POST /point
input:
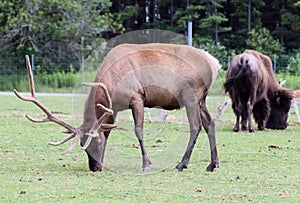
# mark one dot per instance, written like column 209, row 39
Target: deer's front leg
column 137, row 107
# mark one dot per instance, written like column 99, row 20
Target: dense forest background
column 59, row 32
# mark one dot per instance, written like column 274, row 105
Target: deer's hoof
column 244, row 128
column 146, row 169
column 251, row 130
column 261, row 127
column 235, row 130
column 176, row 170
column 180, row 167
column 212, row 166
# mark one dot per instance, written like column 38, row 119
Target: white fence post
column 82, row 72
column 32, row 64
column 274, row 64
column 190, row 33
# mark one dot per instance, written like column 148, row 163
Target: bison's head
column 280, row 106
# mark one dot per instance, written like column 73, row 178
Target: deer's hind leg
column 193, row 114
column 209, row 126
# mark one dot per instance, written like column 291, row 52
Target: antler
column 49, row 116
column 74, row 132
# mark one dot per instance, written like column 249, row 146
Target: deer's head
column 92, row 140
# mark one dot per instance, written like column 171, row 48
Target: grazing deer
column 137, row 76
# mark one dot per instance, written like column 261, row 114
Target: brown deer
column 137, row 76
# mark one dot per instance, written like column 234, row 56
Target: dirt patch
column 274, row 147
column 278, row 147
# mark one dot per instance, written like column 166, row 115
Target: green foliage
column 215, row 49
column 128, row 12
column 61, row 31
column 289, row 30
column 281, row 62
column 56, row 30
column 262, row 41
column 205, row 16
column 212, row 19
column 190, row 13
column 8, row 83
column 58, row 81
column 240, row 24
column 292, row 81
column 290, row 17
column 294, row 64
column 240, row 12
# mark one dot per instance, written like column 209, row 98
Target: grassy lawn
column 254, row 167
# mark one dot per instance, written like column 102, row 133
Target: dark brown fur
column 252, row 88
column 280, row 106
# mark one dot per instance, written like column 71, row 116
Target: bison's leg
column 250, row 103
column 244, row 118
column 261, row 112
column 137, row 106
column 249, row 109
column 236, row 127
column 209, row 126
column 237, row 111
column 193, row 114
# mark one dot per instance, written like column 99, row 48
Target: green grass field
column 254, row 167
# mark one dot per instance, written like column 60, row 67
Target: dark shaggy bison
column 280, row 102
column 252, row 89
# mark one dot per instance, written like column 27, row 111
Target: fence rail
column 16, row 65
column 13, row 71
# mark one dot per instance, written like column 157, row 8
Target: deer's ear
column 106, row 127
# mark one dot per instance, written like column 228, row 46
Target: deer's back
column 160, row 72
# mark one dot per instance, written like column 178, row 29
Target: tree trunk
column 249, row 15
column 282, row 29
column 216, row 28
column 147, row 11
column 171, row 13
